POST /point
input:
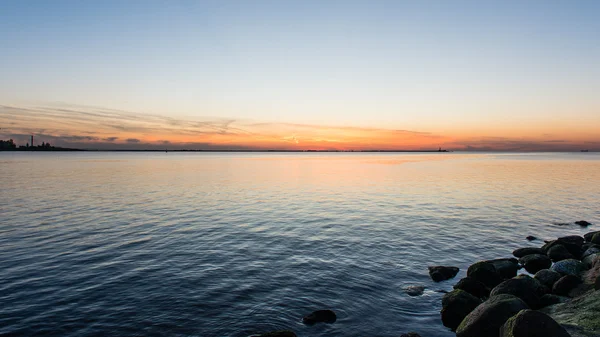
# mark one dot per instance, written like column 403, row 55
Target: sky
column 336, row 75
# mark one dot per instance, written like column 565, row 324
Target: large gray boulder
column 535, row 262
column 529, row 323
column 488, row 317
column 569, row 267
column 456, row 305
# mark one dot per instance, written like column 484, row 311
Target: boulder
column 547, row 277
column 414, row 290
column 568, row 267
column 539, row 288
column 596, row 239
column 594, row 249
column 559, row 253
column 507, row 268
column 520, row 252
column 535, row 262
column 281, row 333
column 566, row 283
column 573, row 248
column 550, row 299
column 442, row 273
column 521, row 288
column 487, row 318
column 485, row 273
column 530, row 323
column 579, row 315
column 473, row 287
column 588, row 261
column 572, row 239
column 583, row 223
column 456, row 305
column 530, row 238
column 324, row 316
column 588, row 236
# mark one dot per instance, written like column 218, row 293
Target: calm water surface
column 209, row 244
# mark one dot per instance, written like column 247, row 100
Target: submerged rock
column 507, row 268
column 485, row 273
column 488, row 317
column 281, row 333
column 520, row 252
column 523, row 288
column 566, row 283
column 569, row 267
column 442, row 273
column 535, row 262
column 547, row 277
column 456, row 305
column 473, row 287
column 530, row 323
column 558, row 253
column 583, row 223
column 530, row 238
column 414, row 290
column 324, row 316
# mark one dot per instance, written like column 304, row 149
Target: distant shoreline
column 260, row 151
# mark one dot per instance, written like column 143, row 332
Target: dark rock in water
column 568, row 267
column 410, row 334
column 550, row 299
column 521, row 288
column 558, row 253
column 535, row 262
column 520, row 252
column 473, row 287
column 547, row 277
column 572, row 239
column 531, row 238
column 588, row 236
column 588, row 261
column 530, row 323
column 594, row 249
column 538, row 287
column 583, row 223
column 414, row 290
column 485, row 273
column 596, row 239
column 442, row 273
column 566, row 283
column 281, row 333
column 487, row 318
column 574, row 249
column 325, row 316
column 456, row 305
column 507, row 268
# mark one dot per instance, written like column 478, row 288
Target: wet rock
column 594, row 249
column 549, row 299
column 442, row 273
column 573, row 248
column 410, row 334
column 558, row 253
column 485, row 273
column 507, row 268
column 473, row 287
column 588, row 236
column 569, row 267
column 281, row 333
column 521, row 288
column 520, row 252
column 538, row 287
column 588, row 261
column 530, row 323
column 596, row 239
column 487, row 318
column 566, row 283
column 547, row 277
column 535, row 262
column 531, row 238
column 572, row 239
column 414, row 290
column 324, row 316
column 583, row 223
column 456, row 305
column 579, row 315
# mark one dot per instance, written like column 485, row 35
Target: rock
column 414, row 290
column 550, row 299
column 530, row 323
column 597, row 283
column 531, row 238
column 325, row 316
column 583, row 223
column 535, row 262
column 521, row 288
column 507, row 268
column 566, row 283
column 488, row 317
column 579, row 315
column 442, row 273
column 539, row 288
column 588, row 261
column 520, row 252
column 573, row 248
column 588, row 236
column 591, row 250
column 596, row 239
column 410, row 334
column 572, row 239
column 281, row 333
column 473, row 287
column 485, row 273
column 559, row 253
column 569, row 267
column 547, row 277
column 456, row 305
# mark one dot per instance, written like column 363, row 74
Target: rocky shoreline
column 562, row 298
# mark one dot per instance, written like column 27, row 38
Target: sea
column 235, row 244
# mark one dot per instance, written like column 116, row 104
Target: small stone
column 531, row 238
column 414, row 290
column 324, row 316
column 442, row 273
column 530, row 323
column 535, row 262
column 520, row 252
column 566, row 283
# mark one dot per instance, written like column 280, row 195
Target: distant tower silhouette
column 31, row 140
